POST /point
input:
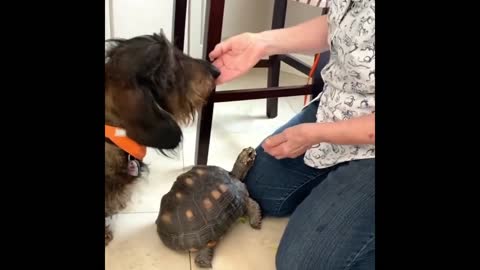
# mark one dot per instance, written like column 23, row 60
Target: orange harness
column 119, row 137
column 310, row 76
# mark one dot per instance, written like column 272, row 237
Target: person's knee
column 261, row 183
column 278, row 186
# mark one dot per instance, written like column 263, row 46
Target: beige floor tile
column 224, row 147
column 136, row 246
column 148, row 192
column 244, row 248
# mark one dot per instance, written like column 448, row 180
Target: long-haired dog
column 151, row 88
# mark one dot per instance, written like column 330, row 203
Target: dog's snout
column 214, row 71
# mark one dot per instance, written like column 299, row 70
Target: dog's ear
column 147, row 123
column 160, row 36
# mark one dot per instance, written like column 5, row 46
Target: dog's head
column 151, row 88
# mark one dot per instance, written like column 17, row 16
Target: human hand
column 290, row 143
column 237, row 55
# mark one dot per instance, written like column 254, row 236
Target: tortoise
column 203, row 204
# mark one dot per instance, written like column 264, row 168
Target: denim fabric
column 332, row 210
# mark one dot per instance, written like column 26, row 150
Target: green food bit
column 242, row 219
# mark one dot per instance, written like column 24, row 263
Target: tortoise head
column 244, row 162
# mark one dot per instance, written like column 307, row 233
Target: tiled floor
column 235, row 125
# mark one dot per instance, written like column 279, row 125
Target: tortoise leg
column 254, row 214
column 204, row 257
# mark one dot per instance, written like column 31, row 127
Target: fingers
column 218, row 63
column 228, row 71
column 217, row 51
column 280, row 146
column 277, row 152
column 284, row 150
column 220, row 49
column 276, row 145
column 274, row 141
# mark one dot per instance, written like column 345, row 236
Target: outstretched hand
column 237, row 55
column 290, row 143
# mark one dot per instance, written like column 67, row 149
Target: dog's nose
column 214, row 71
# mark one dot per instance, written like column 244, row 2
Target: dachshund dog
column 151, row 89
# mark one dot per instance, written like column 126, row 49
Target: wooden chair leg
column 179, row 20
column 278, row 21
column 273, row 81
column 213, row 34
column 204, row 130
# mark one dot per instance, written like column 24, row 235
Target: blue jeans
column 332, row 210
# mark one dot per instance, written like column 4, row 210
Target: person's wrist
column 311, row 133
column 265, row 43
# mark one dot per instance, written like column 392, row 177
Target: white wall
column 256, row 15
column 139, row 17
column 297, row 13
column 246, row 16
column 239, row 16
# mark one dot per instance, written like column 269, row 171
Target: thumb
column 274, row 140
column 220, row 49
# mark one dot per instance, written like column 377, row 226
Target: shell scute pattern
column 207, row 223
column 203, row 204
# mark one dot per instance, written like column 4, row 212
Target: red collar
column 119, row 137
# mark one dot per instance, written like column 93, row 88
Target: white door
column 196, row 13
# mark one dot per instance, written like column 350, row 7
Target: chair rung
column 261, row 93
column 264, row 63
column 296, row 64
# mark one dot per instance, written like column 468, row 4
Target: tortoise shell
column 200, row 207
